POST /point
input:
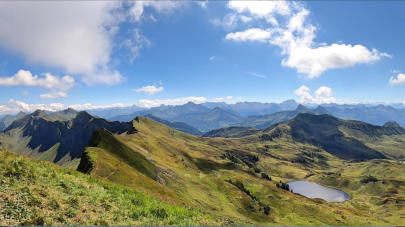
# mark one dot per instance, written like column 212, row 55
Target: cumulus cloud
column 74, row 36
column 147, row 103
column 399, row 79
column 58, row 86
column 150, row 89
column 287, row 28
column 261, row 9
column 322, row 95
column 315, row 61
column 77, row 37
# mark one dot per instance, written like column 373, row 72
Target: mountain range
column 210, row 116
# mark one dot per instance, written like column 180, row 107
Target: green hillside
column 226, row 177
column 41, row 193
column 232, row 132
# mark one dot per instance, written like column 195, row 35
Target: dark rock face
column 73, row 135
column 323, row 131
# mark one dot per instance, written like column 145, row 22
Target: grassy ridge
column 41, row 193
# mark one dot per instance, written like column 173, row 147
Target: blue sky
column 149, row 53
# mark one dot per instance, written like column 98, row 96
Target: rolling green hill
column 232, row 132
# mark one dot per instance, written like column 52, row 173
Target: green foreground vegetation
column 41, row 193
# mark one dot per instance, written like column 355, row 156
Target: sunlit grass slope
column 41, row 193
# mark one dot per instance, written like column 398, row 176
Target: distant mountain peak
column 289, row 101
column 321, row 110
column 83, row 116
column 301, row 108
column 70, row 110
column 39, row 113
column 190, row 104
column 217, row 109
column 392, row 124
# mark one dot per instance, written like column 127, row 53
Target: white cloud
column 245, row 19
column 137, row 9
column 261, row 9
column 203, row 4
column 89, row 106
column 287, row 28
column 323, row 92
column 228, row 22
column 223, row 99
column 54, row 95
column 315, row 61
column 399, row 79
column 136, row 44
column 322, row 95
column 25, row 107
column 231, row 20
column 74, row 36
column 5, row 109
column 15, row 106
column 212, row 58
column 150, row 89
column 257, row 75
column 253, row 34
column 58, row 86
column 303, row 92
column 104, row 77
column 147, row 103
